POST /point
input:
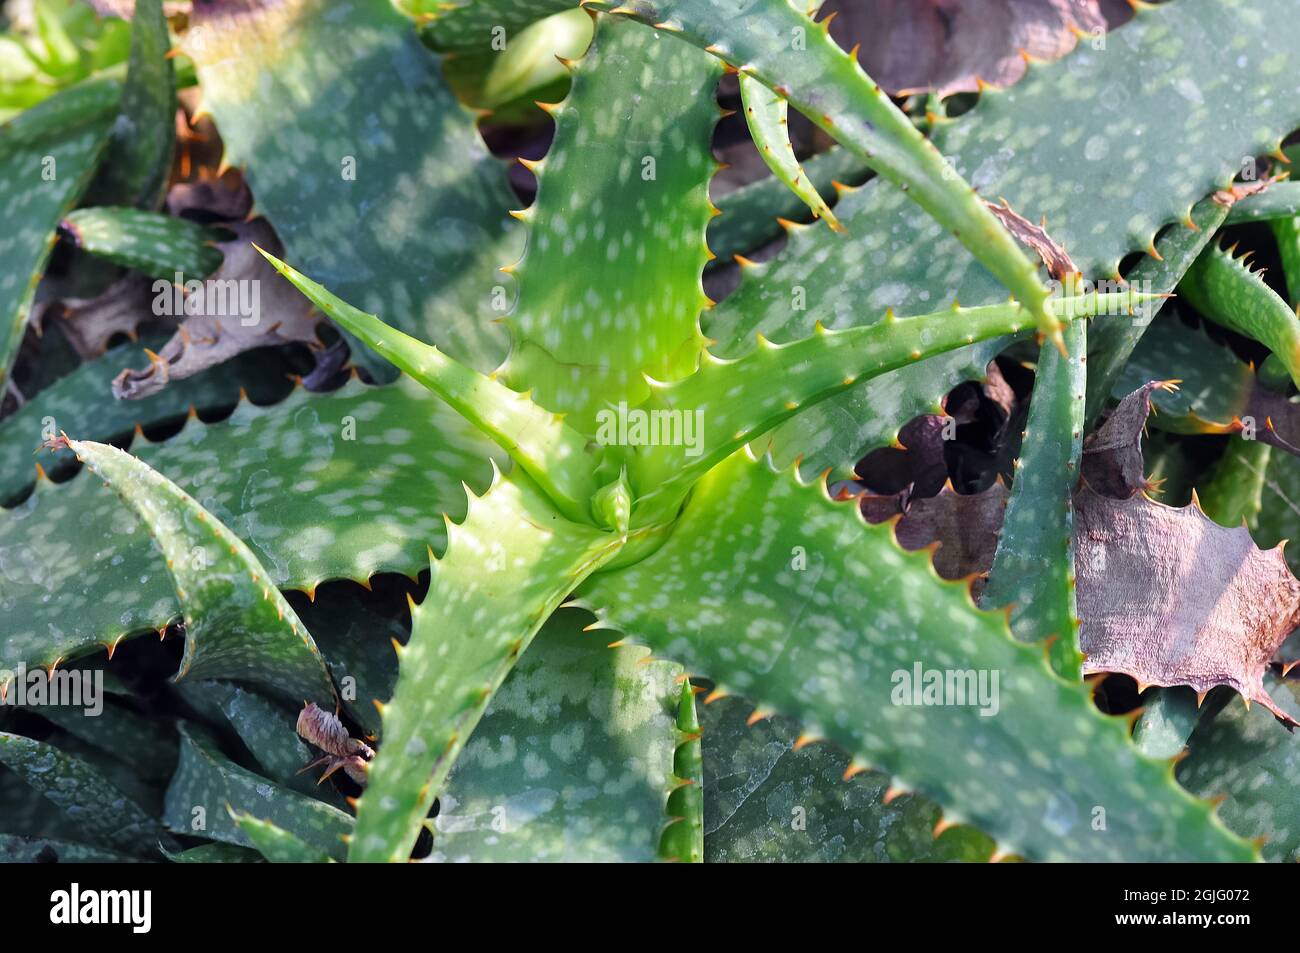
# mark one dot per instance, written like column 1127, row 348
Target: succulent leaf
column 47, row 157
column 237, row 624
column 584, row 337
column 813, row 620
column 828, row 86
column 506, row 569
column 276, row 844
column 541, row 442
column 139, row 155
column 158, row 245
column 1033, row 569
column 683, row 838
column 209, row 791
column 765, row 113
column 1225, row 289
column 735, row 403
column 60, row 602
column 421, row 200
column 572, row 714
column 100, row 810
column 471, row 25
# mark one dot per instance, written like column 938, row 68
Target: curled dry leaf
column 244, row 304
column 1112, row 454
column 952, row 46
column 1231, row 196
column 222, row 199
column 324, row 730
column 1054, row 255
column 90, row 323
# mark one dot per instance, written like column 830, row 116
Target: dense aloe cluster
column 463, row 487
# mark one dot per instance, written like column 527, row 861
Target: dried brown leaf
column 270, row 312
column 1170, row 597
column 953, row 45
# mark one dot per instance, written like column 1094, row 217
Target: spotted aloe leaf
column 777, row 43
column 639, row 151
column 769, row 797
column 540, row 441
column 1239, row 755
column 76, row 404
column 275, row 843
column 47, row 157
column 148, row 747
column 208, row 788
column 15, row 849
column 1168, row 59
column 734, row 403
column 325, row 154
column 751, row 214
column 471, row 25
column 158, row 245
column 765, row 113
column 237, row 624
column 266, row 727
column 1279, row 201
column 56, row 549
column 1112, row 343
column 104, row 814
column 139, row 155
column 1033, row 568
column 572, row 760
column 804, row 632
column 1226, row 290
column 506, row 569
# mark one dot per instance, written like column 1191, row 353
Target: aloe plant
column 518, row 584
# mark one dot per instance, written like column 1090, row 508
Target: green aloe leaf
column 1033, row 568
column 139, row 155
column 473, row 25
column 276, row 844
column 158, row 245
column 765, row 113
column 734, row 402
column 80, row 572
column 78, row 403
column 215, row 854
column 636, row 150
column 237, row 624
column 345, row 126
column 148, row 747
column 683, row 838
column 572, row 760
column 750, row 214
column 826, row 619
column 1225, row 290
column 1244, row 755
column 767, row 800
column 1169, row 715
column 1279, row 516
column 208, row 787
column 47, row 156
column 540, row 441
column 1112, row 343
column 1170, row 89
column 268, row 729
column 506, row 569
column 15, row 849
column 1235, row 493
column 778, row 44
column 90, row 801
